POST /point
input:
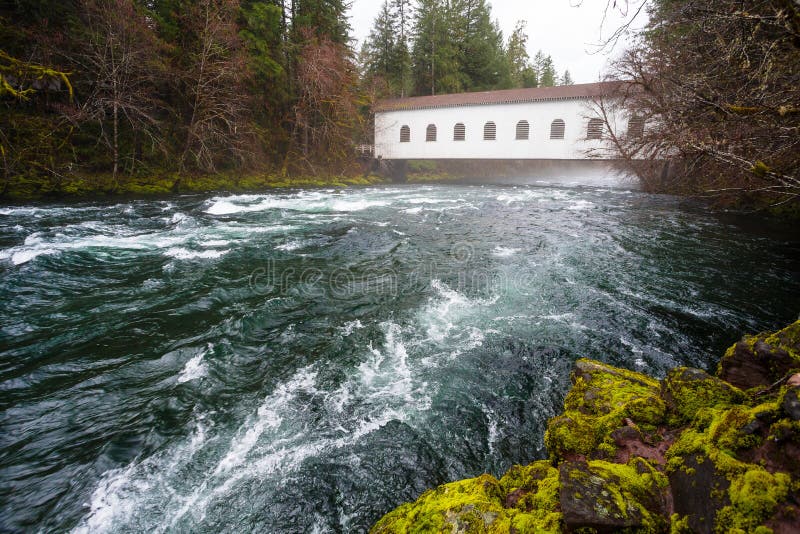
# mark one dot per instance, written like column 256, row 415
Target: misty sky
column 565, row 29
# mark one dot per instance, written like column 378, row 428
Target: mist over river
column 305, row 361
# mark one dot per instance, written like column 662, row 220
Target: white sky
column 565, row 29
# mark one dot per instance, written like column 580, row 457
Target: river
column 305, row 361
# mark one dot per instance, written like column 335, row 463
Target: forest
column 168, row 95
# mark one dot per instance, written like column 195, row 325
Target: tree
column 566, row 79
column 718, row 89
column 403, row 11
column 517, row 54
column 545, row 69
column 263, row 33
column 381, row 50
column 326, row 115
column 521, row 72
column 479, row 43
column 121, row 61
column 435, row 64
column 324, row 19
column 211, row 77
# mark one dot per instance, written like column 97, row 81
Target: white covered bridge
column 546, row 123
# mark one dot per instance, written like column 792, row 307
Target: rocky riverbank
column 690, row 453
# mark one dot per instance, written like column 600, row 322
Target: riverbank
column 94, row 186
column 99, row 186
column 689, row 453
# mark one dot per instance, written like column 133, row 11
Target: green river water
column 305, row 361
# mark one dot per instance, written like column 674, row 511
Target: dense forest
column 154, row 95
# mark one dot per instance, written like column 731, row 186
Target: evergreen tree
column 545, row 69
column 480, row 46
column 566, row 79
column 262, row 31
column 517, row 54
column 403, row 12
column 521, row 71
column 381, row 58
column 325, row 18
column 435, row 65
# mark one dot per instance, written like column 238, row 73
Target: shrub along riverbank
column 690, row 453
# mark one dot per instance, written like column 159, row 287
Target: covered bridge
column 545, row 123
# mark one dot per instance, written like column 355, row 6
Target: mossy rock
column 534, row 491
column 525, row 500
column 602, row 399
column 723, row 455
column 687, row 391
column 762, row 360
column 609, row 497
column 729, row 460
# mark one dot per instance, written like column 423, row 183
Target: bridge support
column 395, row 169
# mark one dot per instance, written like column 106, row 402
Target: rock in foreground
column 690, row 453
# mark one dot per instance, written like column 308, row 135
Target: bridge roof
column 509, row 96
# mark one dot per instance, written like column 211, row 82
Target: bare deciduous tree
column 719, row 87
column 213, row 76
column 326, row 115
column 121, row 60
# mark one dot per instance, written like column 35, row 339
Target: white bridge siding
column 542, row 107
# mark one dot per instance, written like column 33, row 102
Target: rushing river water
column 306, row 361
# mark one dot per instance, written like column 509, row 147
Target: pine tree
column 480, row 46
column 403, row 12
column 435, row 65
column 325, row 18
column 566, row 79
column 517, row 53
column 381, row 50
column 545, row 69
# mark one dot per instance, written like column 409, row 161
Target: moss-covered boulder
column 602, row 400
column 609, row 497
column 762, row 360
column 525, row 500
column 687, row 391
column 728, row 455
column 692, row 453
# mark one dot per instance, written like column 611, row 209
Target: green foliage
column 386, row 54
column 545, row 69
column 200, row 87
column 470, row 55
column 261, row 31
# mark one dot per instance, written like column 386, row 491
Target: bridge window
column 490, row 131
column 430, row 133
column 405, row 134
column 635, row 128
column 459, row 132
column 523, row 130
column 557, row 128
column 595, row 129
